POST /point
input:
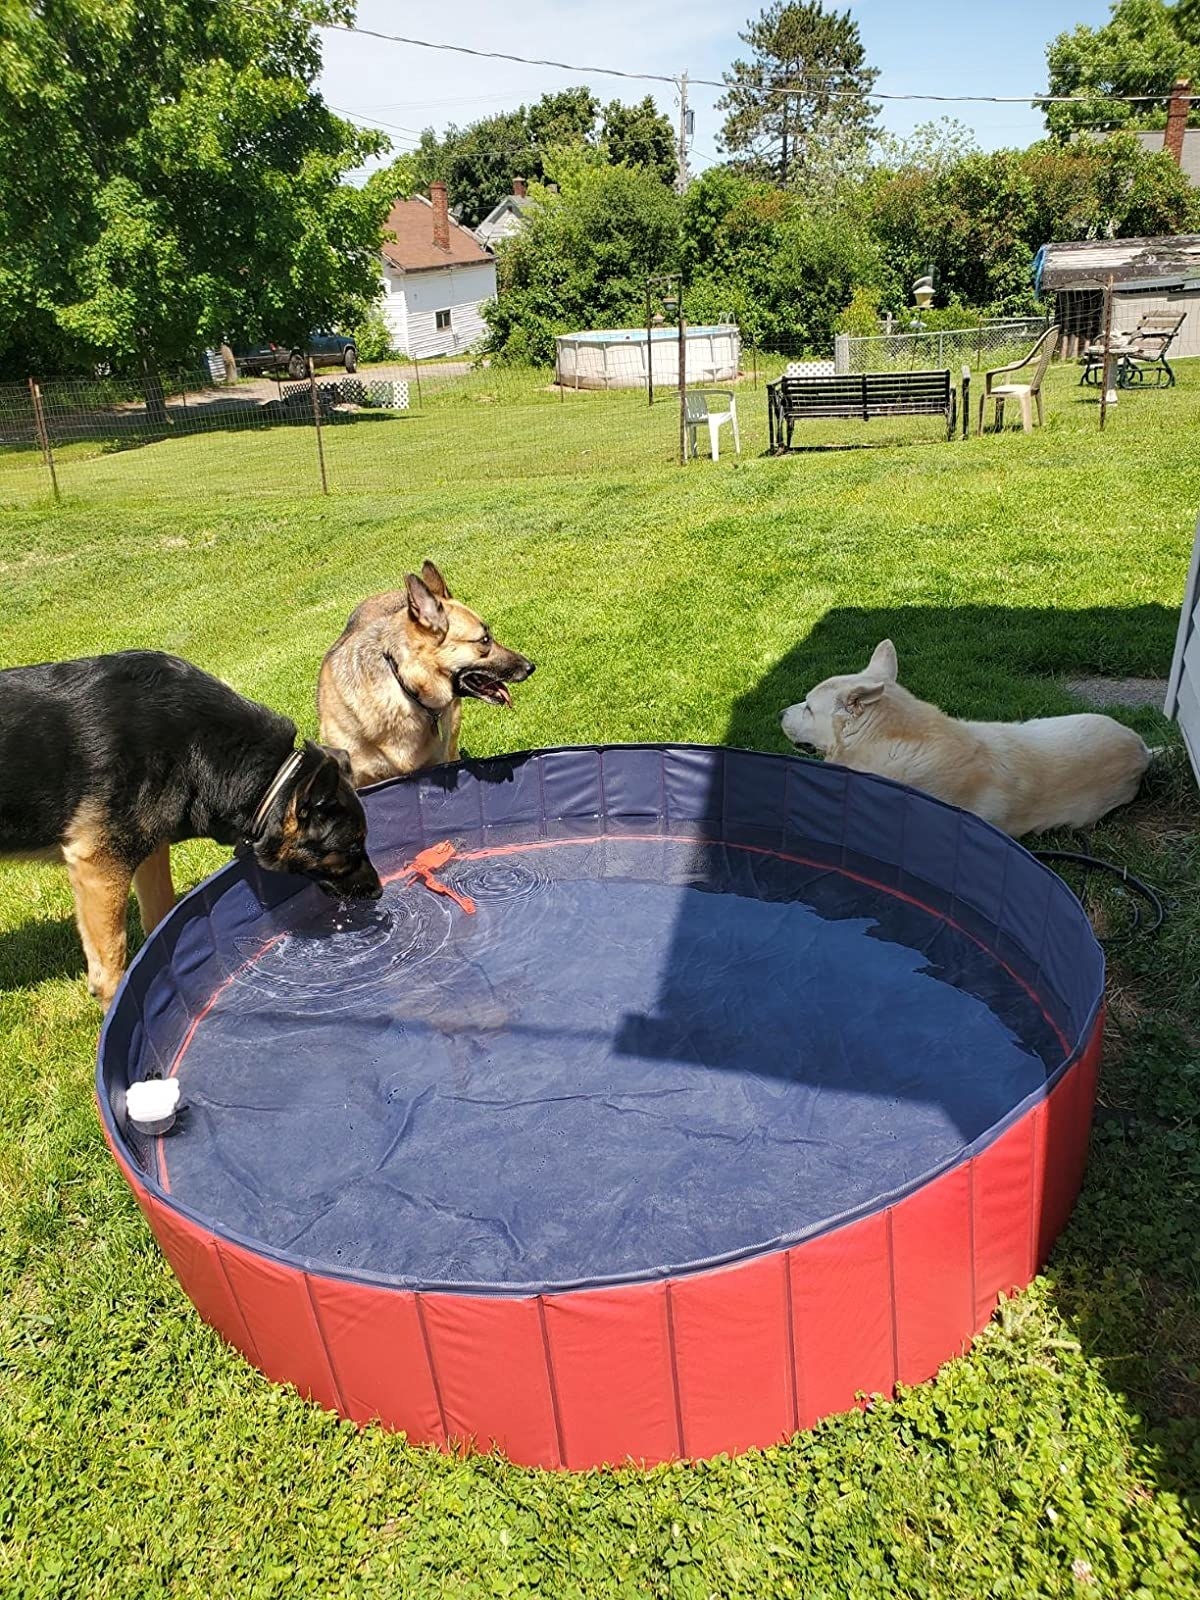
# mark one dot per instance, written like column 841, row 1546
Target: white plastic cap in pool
column 152, row 1104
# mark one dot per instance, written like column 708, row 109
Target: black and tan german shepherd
column 107, row 762
column 392, row 686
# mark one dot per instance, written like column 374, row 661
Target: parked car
column 326, row 349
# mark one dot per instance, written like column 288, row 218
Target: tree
column 981, row 220
column 640, row 136
column 171, row 177
column 479, row 162
column 806, row 86
column 1144, row 47
column 782, row 268
column 582, row 257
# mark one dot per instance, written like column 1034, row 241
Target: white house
column 436, row 277
column 504, row 220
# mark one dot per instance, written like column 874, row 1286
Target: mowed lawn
column 141, row 1457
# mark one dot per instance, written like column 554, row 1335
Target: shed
column 1149, row 275
column 1183, row 687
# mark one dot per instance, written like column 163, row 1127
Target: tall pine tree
column 804, row 90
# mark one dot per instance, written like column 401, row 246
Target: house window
column 442, row 318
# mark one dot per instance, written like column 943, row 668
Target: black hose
column 1138, row 888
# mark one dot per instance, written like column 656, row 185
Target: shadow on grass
column 986, row 662
column 1126, row 1273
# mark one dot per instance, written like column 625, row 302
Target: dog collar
column 435, row 717
column 276, row 786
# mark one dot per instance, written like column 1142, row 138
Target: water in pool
column 635, row 1055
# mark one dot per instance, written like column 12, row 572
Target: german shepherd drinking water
column 107, row 762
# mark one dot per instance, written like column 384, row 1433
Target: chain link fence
column 380, row 430
column 987, row 344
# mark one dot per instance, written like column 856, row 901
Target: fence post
column 43, row 433
column 841, row 354
column 1108, row 375
column 316, row 410
column 682, row 380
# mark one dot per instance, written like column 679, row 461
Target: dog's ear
column 320, row 782
column 883, row 663
column 424, row 607
column 434, row 581
column 342, row 757
column 859, row 696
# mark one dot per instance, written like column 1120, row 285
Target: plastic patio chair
column 1027, row 395
column 699, row 410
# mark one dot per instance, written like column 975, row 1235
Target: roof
column 1153, row 140
column 512, row 205
column 1086, row 263
column 413, row 249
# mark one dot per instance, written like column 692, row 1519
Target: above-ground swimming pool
column 615, row 358
column 670, row 1098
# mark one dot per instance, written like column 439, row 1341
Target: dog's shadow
column 46, row 948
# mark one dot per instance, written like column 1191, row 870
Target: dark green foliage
column 1143, row 48
column 640, row 136
column 171, row 177
column 582, row 258
column 980, row 220
column 479, row 162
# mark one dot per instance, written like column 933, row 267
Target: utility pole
column 686, row 125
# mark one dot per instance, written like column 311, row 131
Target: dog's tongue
column 503, row 695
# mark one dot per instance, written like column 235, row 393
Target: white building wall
column 459, row 290
column 394, row 309
column 1128, row 308
column 412, row 300
column 1183, row 691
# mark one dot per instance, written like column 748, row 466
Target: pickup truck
column 326, row 349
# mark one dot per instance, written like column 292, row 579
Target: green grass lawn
column 141, row 1457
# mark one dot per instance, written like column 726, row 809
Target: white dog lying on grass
column 1022, row 776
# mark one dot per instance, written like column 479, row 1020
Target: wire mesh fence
column 612, row 405
column 374, row 432
column 990, row 343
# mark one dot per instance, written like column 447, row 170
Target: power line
column 806, row 86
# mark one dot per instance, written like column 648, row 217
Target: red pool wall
column 697, row 1365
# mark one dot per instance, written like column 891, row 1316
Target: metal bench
column 860, row 395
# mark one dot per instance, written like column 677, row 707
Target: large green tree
column 639, row 136
column 804, row 91
column 479, row 162
column 980, row 220
column 582, row 258
column 169, row 177
column 1142, row 49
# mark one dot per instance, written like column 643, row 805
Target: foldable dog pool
column 670, row 1099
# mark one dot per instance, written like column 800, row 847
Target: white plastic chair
column 699, row 409
column 1027, row 395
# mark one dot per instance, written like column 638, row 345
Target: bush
column 374, row 338
column 581, row 259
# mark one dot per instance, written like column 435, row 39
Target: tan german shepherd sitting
column 391, row 688
column 1022, row 776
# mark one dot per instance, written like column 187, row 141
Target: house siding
column 1129, row 307
column 412, row 301
column 1183, row 691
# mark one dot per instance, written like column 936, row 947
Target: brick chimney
column 520, row 188
column 441, row 216
column 1177, row 117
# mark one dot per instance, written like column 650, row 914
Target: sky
column 936, row 47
